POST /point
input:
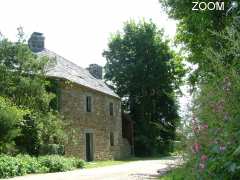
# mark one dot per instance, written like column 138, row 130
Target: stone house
column 91, row 108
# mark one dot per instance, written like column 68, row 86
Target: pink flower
column 205, row 126
column 201, row 165
column 204, row 157
column 196, row 147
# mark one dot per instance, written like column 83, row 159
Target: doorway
column 89, row 146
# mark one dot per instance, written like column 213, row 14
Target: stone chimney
column 95, row 70
column 36, row 42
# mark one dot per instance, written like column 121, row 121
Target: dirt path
column 137, row 170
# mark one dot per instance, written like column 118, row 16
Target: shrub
column 51, row 149
column 10, row 118
column 30, row 164
column 59, row 163
column 17, row 166
column 25, row 164
column 41, row 134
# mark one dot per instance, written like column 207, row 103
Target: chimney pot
column 36, row 42
column 95, row 70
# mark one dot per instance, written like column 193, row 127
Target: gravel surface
column 136, row 170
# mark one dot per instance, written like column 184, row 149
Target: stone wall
column 99, row 122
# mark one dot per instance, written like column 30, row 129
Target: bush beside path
column 25, row 164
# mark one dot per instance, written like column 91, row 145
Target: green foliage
column 22, row 76
column 213, row 42
column 23, row 82
column 59, row 163
column 25, row 164
column 11, row 118
column 39, row 130
column 178, row 173
column 213, row 146
column 145, row 73
column 19, row 165
column 195, row 30
column 51, row 149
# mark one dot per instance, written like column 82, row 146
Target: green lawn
column 176, row 174
column 95, row 164
column 180, row 173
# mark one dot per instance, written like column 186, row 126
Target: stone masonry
column 99, row 122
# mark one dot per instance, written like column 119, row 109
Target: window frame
column 111, row 109
column 112, row 143
column 88, row 104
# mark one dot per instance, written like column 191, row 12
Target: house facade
column 90, row 108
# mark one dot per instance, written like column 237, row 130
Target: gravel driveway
column 137, row 170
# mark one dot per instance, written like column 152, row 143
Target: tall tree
column 144, row 72
column 195, row 30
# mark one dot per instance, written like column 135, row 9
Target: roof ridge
column 66, row 69
column 45, row 49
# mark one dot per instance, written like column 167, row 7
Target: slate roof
column 65, row 69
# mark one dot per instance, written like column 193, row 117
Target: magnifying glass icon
column 234, row 5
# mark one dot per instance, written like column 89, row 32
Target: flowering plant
column 214, row 147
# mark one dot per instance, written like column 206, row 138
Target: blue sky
column 76, row 29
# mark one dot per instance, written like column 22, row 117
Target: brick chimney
column 36, row 42
column 95, row 70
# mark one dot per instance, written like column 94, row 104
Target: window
column 111, row 109
column 111, row 139
column 89, row 104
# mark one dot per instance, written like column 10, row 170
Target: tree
column 145, row 73
column 23, row 82
column 10, row 119
column 195, row 31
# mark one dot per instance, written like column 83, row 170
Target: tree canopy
column 196, row 30
column 145, row 72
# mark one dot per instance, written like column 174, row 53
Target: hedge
column 25, row 164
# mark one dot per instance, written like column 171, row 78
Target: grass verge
column 178, row 173
column 95, row 164
column 175, row 174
